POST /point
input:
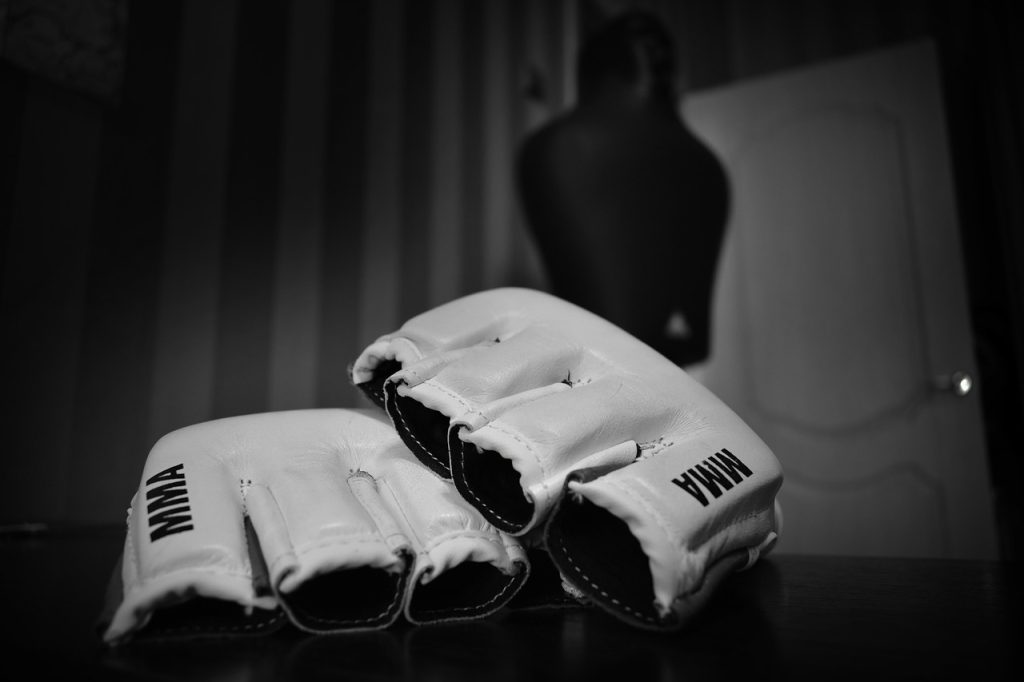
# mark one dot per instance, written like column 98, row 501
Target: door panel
column 840, row 299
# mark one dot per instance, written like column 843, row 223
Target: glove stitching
column 380, row 517
column 595, row 586
column 438, row 387
column 656, row 447
column 568, row 380
column 412, row 434
column 244, row 485
column 502, row 429
column 479, row 501
column 497, row 597
column 350, row 621
column 454, row 396
column 525, row 444
column 224, row 628
column 659, row 522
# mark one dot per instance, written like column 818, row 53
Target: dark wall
column 256, row 192
column 264, row 187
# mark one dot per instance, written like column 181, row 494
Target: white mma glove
column 523, row 398
column 322, row 512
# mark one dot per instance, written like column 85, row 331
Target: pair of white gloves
column 512, row 420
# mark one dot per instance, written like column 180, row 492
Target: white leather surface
column 553, row 388
column 324, row 489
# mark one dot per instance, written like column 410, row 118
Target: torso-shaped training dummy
column 627, row 206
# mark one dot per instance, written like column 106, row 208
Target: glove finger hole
column 203, row 616
column 597, row 553
column 469, row 590
column 373, row 387
column 489, row 482
column 423, row 430
column 348, row 599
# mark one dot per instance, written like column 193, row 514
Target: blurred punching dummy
column 627, row 207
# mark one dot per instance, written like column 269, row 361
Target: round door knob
column 959, row 383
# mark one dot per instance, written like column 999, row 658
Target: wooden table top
column 789, row 617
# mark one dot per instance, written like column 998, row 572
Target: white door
column 840, row 306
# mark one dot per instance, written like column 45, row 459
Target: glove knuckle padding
column 322, row 513
column 510, row 391
column 458, row 550
column 175, row 562
column 669, row 523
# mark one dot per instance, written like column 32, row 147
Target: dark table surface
column 789, row 617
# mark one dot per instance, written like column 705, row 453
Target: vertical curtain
column 280, row 183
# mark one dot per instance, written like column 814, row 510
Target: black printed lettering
column 731, row 464
column 708, row 475
column 164, row 496
column 687, row 484
column 715, row 475
column 169, row 522
column 168, row 506
column 175, row 473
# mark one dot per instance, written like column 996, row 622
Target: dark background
column 208, row 208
